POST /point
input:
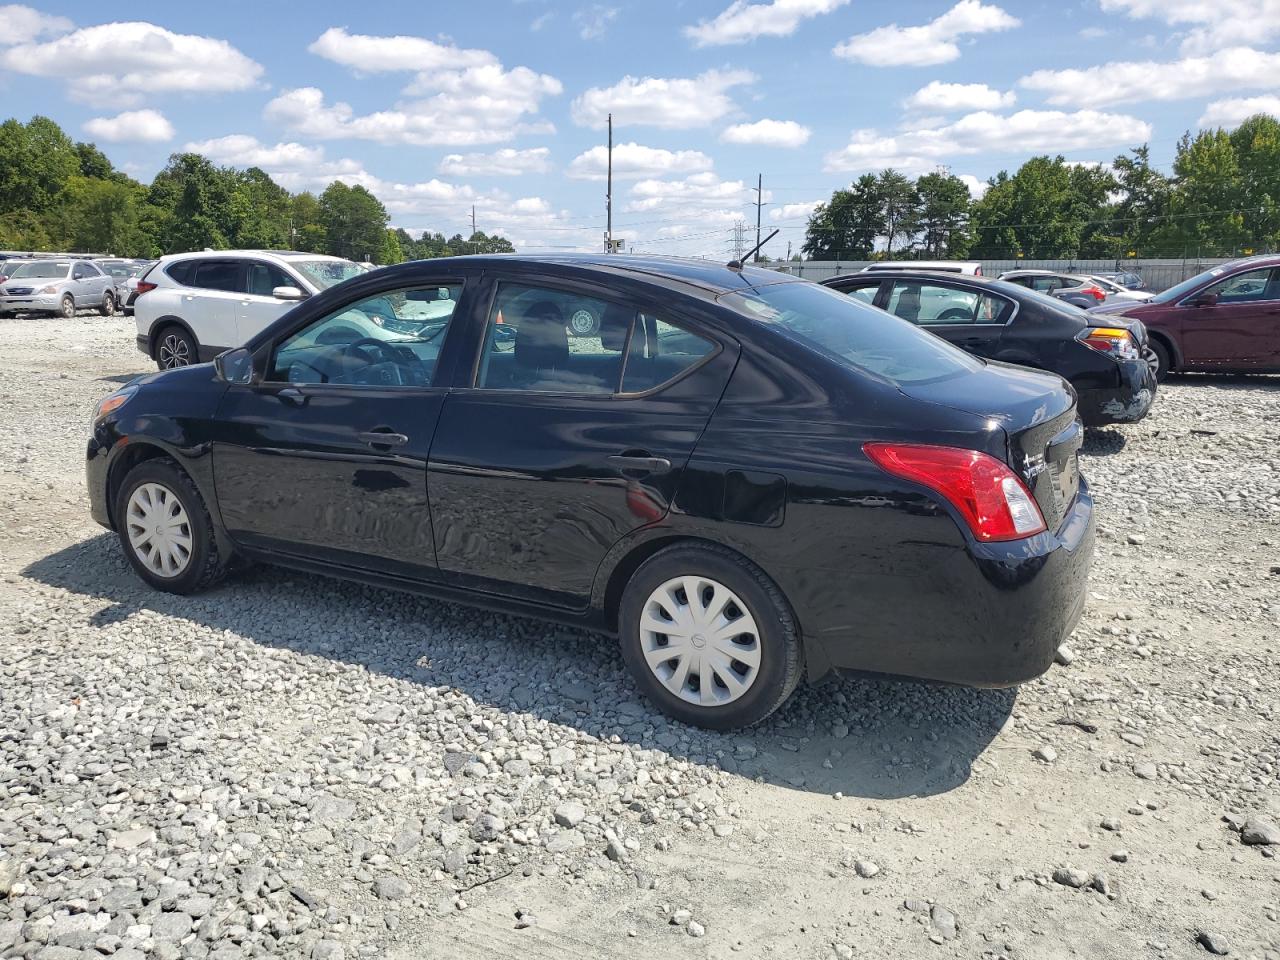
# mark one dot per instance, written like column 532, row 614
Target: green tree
column 36, row 161
column 260, row 212
column 23, row 230
column 1141, row 214
column 355, row 221
column 306, row 228
column 847, row 225
column 196, row 200
column 900, row 209
column 943, row 216
column 390, row 252
column 1048, row 208
column 102, row 216
column 1257, row 147
column 1208, row 203
column 480, row 242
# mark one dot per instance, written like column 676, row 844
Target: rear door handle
column 383, row 437
column 640, row 464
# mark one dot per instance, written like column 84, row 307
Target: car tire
column 67, row 308
column 583, row 323
column 764, row 657
column 1161, row 364
column 175, row 348
column 165, row 529
column 108, row 305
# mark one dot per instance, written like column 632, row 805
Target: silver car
column 58, row 287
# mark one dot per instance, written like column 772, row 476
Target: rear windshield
column 327, row 273
column 41, row 268
column 853, row 333
column 1046, row 302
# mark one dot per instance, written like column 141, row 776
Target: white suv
column 193, row 306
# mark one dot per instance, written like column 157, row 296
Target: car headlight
column 48, row 289
column 113, row 401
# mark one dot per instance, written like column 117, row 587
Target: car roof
column 236, row 254
column 925, row 276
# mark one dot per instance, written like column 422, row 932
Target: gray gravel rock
column 1213, row 942
column 1071, row 877
column 1259, row 831
column 392, row 888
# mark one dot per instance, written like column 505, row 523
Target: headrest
column 615, row 323
column 542, row 343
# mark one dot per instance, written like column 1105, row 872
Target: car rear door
column 1241, row 331
column 209, row 305
column 545, row 455
column 257, row 307
column 971, row 318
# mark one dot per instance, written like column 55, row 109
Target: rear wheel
column 108, row 304
column 175, row 348
column 1158, row 360
column 708, row 637
column 165, row 529
column 67, row 308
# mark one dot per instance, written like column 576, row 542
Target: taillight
column 1113, row 341
column 993, row 500
column 145, row 287
column 1096, row 292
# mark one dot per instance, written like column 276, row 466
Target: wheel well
column 134, row 454
column 1167, row 342
column 162, row 324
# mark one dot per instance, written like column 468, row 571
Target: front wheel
column 1158, row 360
column 108, row 305
column 708, row 637
column 165, row 529
column 67, row 308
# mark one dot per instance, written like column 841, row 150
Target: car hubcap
column 700, row 641
column 1153, row 361
column 581, row 322
column 174, row 352
column 159, row 530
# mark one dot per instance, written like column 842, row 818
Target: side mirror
column 234, row 366
column 288, row 293
column 1205, row 300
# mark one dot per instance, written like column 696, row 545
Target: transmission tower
column 739, row 239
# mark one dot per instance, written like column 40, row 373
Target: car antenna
column 737, row 264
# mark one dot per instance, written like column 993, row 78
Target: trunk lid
column 1037, row 412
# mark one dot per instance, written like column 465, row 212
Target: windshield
column 326, row 273
column 41, row 268
column 851, row 332
column 1186, row 286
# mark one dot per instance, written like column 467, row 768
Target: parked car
column 746, row 477
column 1226, row 319
column 970, row 268
column 8, row 266
column 1126, row 278
column 192, row 306
column 125, row 273
column 1108, row 365
column 1116, row 292
column 1077, row 290
column 57, row 287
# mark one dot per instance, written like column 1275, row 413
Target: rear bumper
column 1127, row 402
column 991, row 617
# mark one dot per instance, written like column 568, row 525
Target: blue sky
column 436, row 107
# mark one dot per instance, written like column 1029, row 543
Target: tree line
column 57, row 194
column 1221, row 198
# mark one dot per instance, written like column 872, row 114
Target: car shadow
column 1103, row 441
column 871, row 738
column 1226, row 381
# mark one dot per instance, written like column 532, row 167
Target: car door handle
column 292, row 395
column 639, row 463
column 383, row 437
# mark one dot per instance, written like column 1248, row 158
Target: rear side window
column 218, row 275
column 933, row 304
column 659, row 352
column 181, row 271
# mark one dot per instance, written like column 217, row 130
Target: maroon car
column 1226, row 319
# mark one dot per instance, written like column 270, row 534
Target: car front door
column 972, row 319
column 548, row 454
column 325, row 456
column 258, row 307
column 210, row 306
column 1234, row 323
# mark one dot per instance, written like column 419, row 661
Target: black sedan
column 747, row 478
column 1110, row 364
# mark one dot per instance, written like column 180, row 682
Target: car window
column 659, row 351
column 928, row 303
column 180, row 271
column 1045, row 284
column 36, row 269
column 528, row 345
column 265, row 277
column 391, row 339
column 82, row 271
column 218, row 275
column 1244, row 287
column 851, row 333
column 864, row 292
column 327, row 273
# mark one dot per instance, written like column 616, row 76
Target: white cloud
column 632, row 161
column 1231, row 112
column 19, row 24
column 146, row 126
column 794, row 211
column 927, row 45
column 1025, row 132
column 678, row 103
column 952, row 97
column 366, row 54
column 593, row 21
column 742, row 21
column 121, row 63
column 292, row 165
column 768, row 133
column 1230, row 70
column 697, row 192
column 976, row 187
column 479, row 105
column 501, row 163
column 1208, row 26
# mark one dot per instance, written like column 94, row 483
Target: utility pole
column 759, row 205
column 608, row 195
column 472, row 239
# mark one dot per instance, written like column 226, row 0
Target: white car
column 1115, row 291
column 192, row 306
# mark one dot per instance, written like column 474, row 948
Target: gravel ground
column 291, row 766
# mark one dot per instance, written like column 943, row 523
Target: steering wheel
column 955, row 313
column 373, row 351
